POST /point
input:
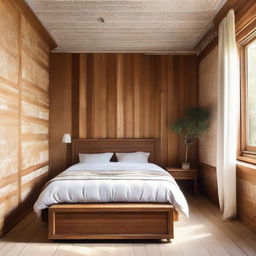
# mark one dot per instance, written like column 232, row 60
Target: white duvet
column 105, row 191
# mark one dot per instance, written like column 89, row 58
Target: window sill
column 247, row 160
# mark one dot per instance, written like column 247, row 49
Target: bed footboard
column 111, row 221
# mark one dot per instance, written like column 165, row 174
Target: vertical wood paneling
column 246, row 190
column 246, row 195
column 75, row 94
column 128, row 96
column 82, row 94
column 208, row 182
column 157, row 91
column 24, row 112
column 120, row 105
column 163, row 65
column 61, row 108
column 111, row 96
column 146, row 99
column 171, row 111
column 137, row 92
column 101, row 93
column 88, row 100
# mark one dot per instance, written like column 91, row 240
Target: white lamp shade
column 66, row 138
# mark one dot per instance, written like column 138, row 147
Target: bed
column 112, row 200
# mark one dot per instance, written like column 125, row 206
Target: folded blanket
column 113, row 175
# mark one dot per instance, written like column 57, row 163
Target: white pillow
column 134, row 157
column 95, row 158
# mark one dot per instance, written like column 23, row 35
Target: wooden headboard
column 116, row 145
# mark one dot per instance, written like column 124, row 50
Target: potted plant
column 191, row 125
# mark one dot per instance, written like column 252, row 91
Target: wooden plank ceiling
column 126, row 25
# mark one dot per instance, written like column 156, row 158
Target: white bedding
column 104, row 191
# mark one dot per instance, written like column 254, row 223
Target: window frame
column 247, row 152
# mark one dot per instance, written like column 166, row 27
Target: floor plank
column 16, row 245
column 17, row 230
column 231, row 232
column 203, row 234
column 139, row 249
column 207, row 219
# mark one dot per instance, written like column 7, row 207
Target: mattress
column 112, row 182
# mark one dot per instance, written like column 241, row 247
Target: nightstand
column 180, row 174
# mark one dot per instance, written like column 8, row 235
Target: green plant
column 192, row 125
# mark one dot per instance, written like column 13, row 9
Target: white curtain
column 228, row 102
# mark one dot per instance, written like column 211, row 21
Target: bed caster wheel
column 168, row 240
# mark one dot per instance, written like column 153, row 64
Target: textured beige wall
column 208, row 98
column 35, row 109
column 9, row 104
column 24, row 113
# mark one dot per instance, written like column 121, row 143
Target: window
column 248, row 100
column 251, row 94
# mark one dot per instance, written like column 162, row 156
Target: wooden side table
column 180, row 174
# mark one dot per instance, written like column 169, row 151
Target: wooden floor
column 203, row 234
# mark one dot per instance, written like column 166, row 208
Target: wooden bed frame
column 112, row 220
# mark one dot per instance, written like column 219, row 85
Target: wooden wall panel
column 34, row 110
column 246, row 190
column 246, row 194
column 60, row 108
column 9, row 105
column 121, row 96
column 24, row 112
column 208, row 182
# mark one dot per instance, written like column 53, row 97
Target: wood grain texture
column 204, row 233
column 60, row 108
column 24, row 107
column 121, row 96
column 246, row 194
column 111, row 221
column 181, row 174
column 92, row 146
column 245, row 19
column 246, row 185
column 208, row 182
